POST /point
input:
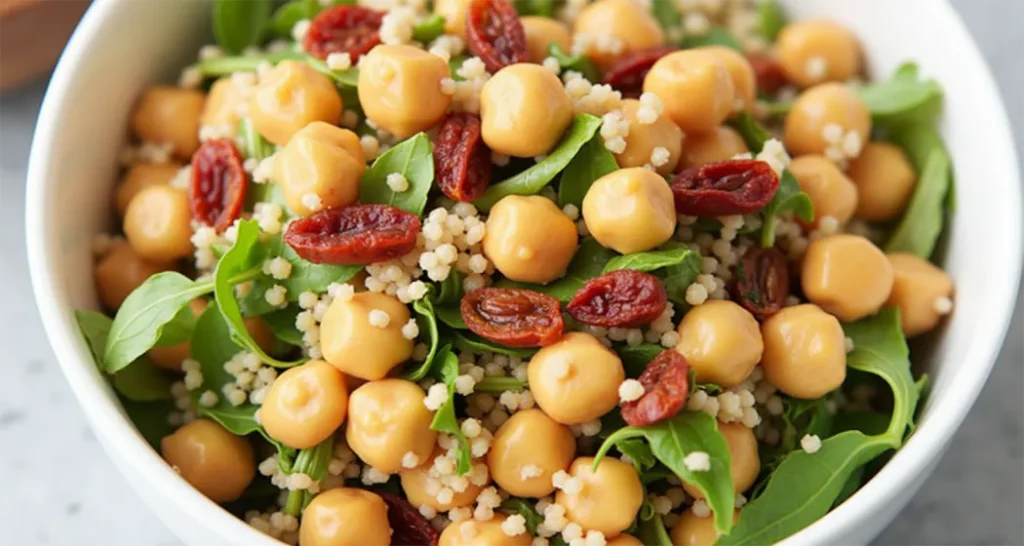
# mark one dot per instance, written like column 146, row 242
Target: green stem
column 225, row 66
column 623, row 433
column 499, row 384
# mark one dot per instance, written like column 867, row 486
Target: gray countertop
column 60, row 488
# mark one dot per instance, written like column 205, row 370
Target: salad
column 535, row 273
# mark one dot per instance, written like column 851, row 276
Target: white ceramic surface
column 123, row 45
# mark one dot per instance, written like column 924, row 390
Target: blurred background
column 60, row 488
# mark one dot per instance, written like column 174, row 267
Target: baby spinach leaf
column 789, row 196
column 451, row 290
column 414, row 160
column 654, row 259
column 902, row 98
column 869, row 422
column 312, row 462
column 543, row 8
column 652, row 532
column 470, row 342
column 143, row 381
column 428, row 324
column 499, row 385
column 638, row 452
column 921, row 225
column 150, row 419
column 428, row 29
column 592, row 162
column 451, row 316
column 308, row 276
column 850, row 487
column 716, row 36
column 577, row 63
column 753, row 133
column 770, row 19
column 635, row 357
column 94, row 327
column 285, row 17
column 444, row 419
column 238, row 24
column 533, row 179
column 253, row 143
column 282, row 323
column 678, row 277
column 667, row 14
column 586, row 264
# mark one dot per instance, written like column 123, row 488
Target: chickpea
column 744, row 81
column 529, row 439
column 305, row 405
column 804, row 351
column 630, row 210
column 815, row 51
column 695, row 87
column 345, row 516
column 524, row 110
column 140, row 176
column 720, row 144
column 918, row 290
column 170, row 357
column 214, row 461
column 722, row 342
column 610, row 497
column 482, row 533
column 289, row 97
column 350, row 343
column 832, row 193
column 529, row 239
column 454, row 12
column 643, row 138
column 819, row 106
column 885, row 181
column 745, row 462
column 158, row 224
column 846, row 275
column 222, row 104
column 624, row 540
column 120, row 272
column 693, row 530
column 422, row 485
column 541, row 32
column 170, row 115
column 627, row 24
column 576, row 379
column 400, row 88
column 324, row 160
column 388, row 421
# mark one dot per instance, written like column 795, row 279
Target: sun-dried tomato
column 723, row 188
column 624, row 298
column 666, row 382
column 343, row 29
column 408, row 526
column 462, row 162
column 768, row 73
column 628, row 73
column 495, row 34
column 761, row 283
column 513, row 317
column 219, row 184
column 359, row 234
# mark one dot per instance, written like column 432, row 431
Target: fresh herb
column 654, row 259
column 919, row 229
column 253, row 144
column 428, row 29
column 412, row 159
column 788, row 197
column 588, row 262
column 499, row 385
column 523, row 508
column 451, row 290
column 444, row 419
column 282, row 324
column 592, row 162
column 770, row 19
column 286, row 15
column 150, row 419
column 428, row 323
column 903, row 98
column 226, row 66
column 576, row 63
column 143, row 381
column 635, row 357
column 95, row 327
column 238, row 24
column 639, row 452
column 651, row 531
column 716, row 36
column 678, row 277
column 850, row 487
column 753, row 133
column 469, row 342
column 450, row 315
column 312, row 462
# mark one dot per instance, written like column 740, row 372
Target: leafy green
column 451, row 316
column 499, row 385
column 312, row 462
column 282, row 323
column 543, row 8
column 588, row 262
column 428, row 29
column 253, row 143
column 652, row 532
column 667, row 14
column 150, row 419
column 285, row 16
column 308, row 276
column 226, row 66
column 654, row 259
column 473, row 343
column 428, row 323
column 95, row 327
column 850, row 487
column 592, row 162
column 238, row 24
column 716, row 36
column 770, row 19
column 412, row 159
column 902, row 98
column 753, row 133
column 444, row 419
column 515, row 505
column 577, row 63
column 635, row 357
column 178, row 329
column 678, row 277
column 919, row 229
column 638, row 452
column 143, row 382
column 451, row 290
column 788, row 197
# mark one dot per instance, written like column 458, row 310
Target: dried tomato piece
column 768, row 73
column 762, row 282
column 623, row 298
column 408, row 527
column 359, row 234
column 219, row 184
column 513, row 317
column 495, row 34
column 628, row 73
column 462, row 162
column 343, row 29
column 666, row 381
column 733, row 186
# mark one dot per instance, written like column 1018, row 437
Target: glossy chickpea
column 722, row 341
column 814, row 51
column 744, row 82
column 388, row 421
column 630, row 210
column 819, row 106
column 289, row 97
column 527, row 450
column 454, row 12
column 421, row 488
column 885, row 180
column 693, row 530
column 643, row 138
column 744, row 460
column 158, row 225
column 920, row 290
column 832, row 193
column 170, row 115
column 305, row 405
column 610, row 497
column 120, row 272
column 142, row 175
column 320, row 159
column 695, row 87
column 482, row 533
column 355, row 346
column 846, row 275
column 345, row 516
column 541, row 32
column 626, row 23
column 170, row 357
column 624, row 540
column 576, row 380
column 214, row 461
column 804, row 351
column 720, row 144
column 226, row 97
column 524, row 110
column 529, row 239
column 400, row 88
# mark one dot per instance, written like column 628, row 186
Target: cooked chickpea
column 919, row 289
column 454, row 12
column 624, row 540
column 832, row 193
column 289, row 97
column 695, row 87
column 819, row 106
column 158, row 224
column 120, row 272
column 720, row 144
column 744, row 460
column 576, row 380
column 388, row 421
column 422, row 484
column 626, row 25
column 321, row 159
column 170, row 115
column 524, row 110
column 744, row 82
column 846, row 275
column 814, row 51
column 170, row 357
column 139, row 176
column 804, row 351
column 529, row 239
column 355, row 346
column 214, row 461
column 643, row 138
column 693, row 530
column 482, row 533
column 305, row 405
column 527, row 450
column 345, row 516
column 630, row 210
column 226, row 96
column 541, row 32
column 885, row 180
column 610, row 497
column 400, row 88
column 722, row 342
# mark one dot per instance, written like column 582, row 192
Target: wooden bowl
column 32, row 35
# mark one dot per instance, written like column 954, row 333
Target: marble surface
column 59, row 488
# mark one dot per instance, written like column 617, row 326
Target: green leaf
column 142, row 381
column 850, row 487
column 542, row 8
column 577, row 63
column 451, row 316
column 178, row 329
column 513, row 505
column 497, row 385
column 652, row 532
column 95, row 327
column 427, row 323
column 282, row 323
column 654, row 259
column 312, row 462
column 716, row 36
column 308, row 276
column 469, row 342
column 150, row 419
column 919, row 229
column 226, row 66
column 428, row 29
column 451, row 290
column 444, row 419
column 533, row 179
column 635, row 357
column 414, row 160
column 902, row 98
column 788, row 197
column 638, row 452
column 678, row 277
column 592, row 162
column 238, row 24
column 770, row 19
column 667, row 14
column 869, row 422
column 587, row 263
column 753, row 133
column 285, row 17
column 253, row 144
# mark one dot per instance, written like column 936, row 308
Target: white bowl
column 122, row 46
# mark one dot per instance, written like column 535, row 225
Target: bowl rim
column 123, row 442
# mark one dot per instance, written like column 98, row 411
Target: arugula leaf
column 654, row 259
column 592, row 162
column 428, row 29
column 150, row 419
column 753, row 133
column 586, row 264
column 787, row 197
column 469, row 342
column 143, row 382
column 444, row 419
column 308, row 276
column 577, row 63
column 770, row 19
column 282, row 323
column 851, row 486
column 312, row 462
column 716, row 36
column 238, row 24
column 414, row 160
column 428, row 323
column 919, row 229
column 651, row 531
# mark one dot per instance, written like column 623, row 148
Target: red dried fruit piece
column 359, row 234
column 623, row 298
column 628, row 73
column 768, row 73
column 219, row 184
column 513, row 317
column 343, row 29
column 762, row 282
column 408, row 527
column 462, row 162
column 666, row 381
column 495, row 34
column 723, row 188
